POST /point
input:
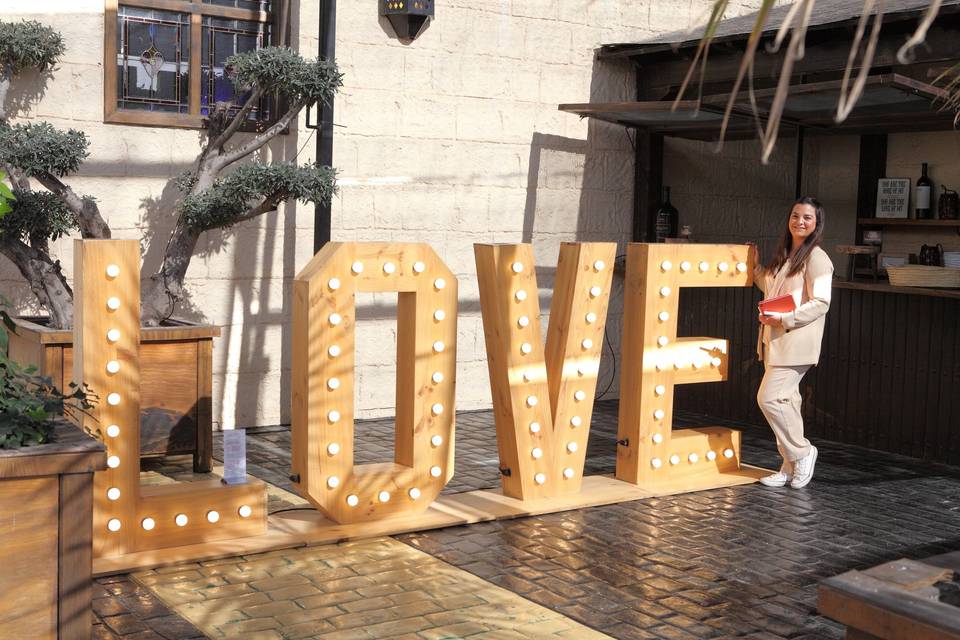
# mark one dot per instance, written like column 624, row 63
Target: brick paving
column 377, row 588
column 736, row 562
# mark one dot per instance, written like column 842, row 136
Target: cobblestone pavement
column 369, row 589
column 737, row 562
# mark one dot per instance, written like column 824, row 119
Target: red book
column 780, row 304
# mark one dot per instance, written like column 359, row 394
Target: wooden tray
column 916, row 275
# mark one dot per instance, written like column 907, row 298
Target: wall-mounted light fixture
column 408, row 17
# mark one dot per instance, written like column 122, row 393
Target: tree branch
column 19, row 179
column 91, row 223
column 45, row 278
column 238, row 120
column 258, row 141
column 6, row 73
column 269, row 204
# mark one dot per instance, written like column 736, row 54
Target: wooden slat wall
column 888, row 379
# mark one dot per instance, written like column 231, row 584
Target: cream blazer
column 798, row 341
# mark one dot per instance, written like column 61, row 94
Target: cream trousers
column 779, row 399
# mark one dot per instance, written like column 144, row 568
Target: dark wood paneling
column 888, row 378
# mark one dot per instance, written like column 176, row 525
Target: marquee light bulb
column 741, row 267
column 531, row 401
column 333, row 416
column 113, row 271
column 113, row 335
column 534, row 427
column 113, row 366
column 244, row 511
column 439, row 315
column 572, row 447
column 333, row 384
column 414, row 493
column 113, row 493
column 520, row 295
column 213, row 516
column 660, row 390
column 540, row 478
column 679, row 364
column 113, row 399
column 579, row 395
column 438, row 346
column 334, row 350
column 537, row 453
column 439, row 284
column 595, row 291
column 664, row 291
column 113, row 524
column 587, row 343
column 437, row 377
column 419, row 267
column 352, row 500
column 181, row 520
column 357, row 267
column 666, row 265
column 660, row 366
column 590, row 317
column 723, row 266
column 657, row 438
column 334, row 319
column 662, row 341
column 684, row 266
column 148, row 524
column 333, row 482
column 333, row 448
column 333, row 283
column 656, row 463
column 674, row 459
column 389, row 267
column 517, row 267
column 113, row 303
column 436, row 409
column 658, row 414
column 526, row 347
column 704, row 266
column 715, row 361
column 436, row 472
column 527, row 375
column 113, row 462
column 598, row 265
column 436, row 440
column 576, row 421
column 728, row 453
column 568, row 473
column 523, row 321
column 711, row 455
column 113, row 431
column 693, row 458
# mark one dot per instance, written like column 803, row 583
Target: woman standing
column 789, row 343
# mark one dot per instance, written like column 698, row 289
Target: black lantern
column 408, row 17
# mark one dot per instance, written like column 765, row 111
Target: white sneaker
column 803, row 469
column 777, row 479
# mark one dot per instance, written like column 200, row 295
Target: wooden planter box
column 46, row 525
column 176, row 368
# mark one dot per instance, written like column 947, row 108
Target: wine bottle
column 667, row 220
column 924, row 187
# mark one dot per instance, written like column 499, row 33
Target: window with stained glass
column 166, row 66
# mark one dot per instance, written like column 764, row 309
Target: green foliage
column 38, row 214
column 6, row 197
column 38, row 148
column 284, row 70
column 231, row 196
column 29, row 44
column 29, row 403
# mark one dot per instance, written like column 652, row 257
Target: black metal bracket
column 624, row 443
column 505, row 471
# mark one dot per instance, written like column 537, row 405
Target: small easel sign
column 893, row 198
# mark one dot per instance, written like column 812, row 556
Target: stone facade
column 453, row 139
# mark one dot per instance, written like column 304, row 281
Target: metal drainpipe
column 322, row 220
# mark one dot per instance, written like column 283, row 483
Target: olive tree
column 220, row 191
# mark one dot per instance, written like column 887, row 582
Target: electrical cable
column 609, row 343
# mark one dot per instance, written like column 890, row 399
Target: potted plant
column 46, row 503
column 221, row 190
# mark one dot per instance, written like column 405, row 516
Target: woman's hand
column 771, row 319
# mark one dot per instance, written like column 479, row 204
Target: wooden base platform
column 308, row 527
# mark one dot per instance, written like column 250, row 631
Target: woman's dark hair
column 786, row 241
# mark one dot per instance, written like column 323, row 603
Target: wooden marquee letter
column 655, row 360
column 129, row 517
column 543, row 399
column 324, row 318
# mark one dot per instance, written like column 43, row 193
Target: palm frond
column 850, row 95
column 703, row 49
column 905, row 53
